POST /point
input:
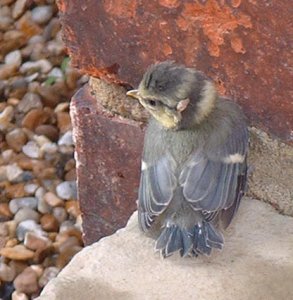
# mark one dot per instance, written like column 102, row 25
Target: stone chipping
column 40, row 222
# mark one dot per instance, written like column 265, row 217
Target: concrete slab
column 256, row 263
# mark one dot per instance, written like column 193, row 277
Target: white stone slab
column 256, row 263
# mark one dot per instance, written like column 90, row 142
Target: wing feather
column 214, row 180
column 157, row 185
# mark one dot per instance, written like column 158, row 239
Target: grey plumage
column 194, row 160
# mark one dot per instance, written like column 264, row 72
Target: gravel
column 40, row 220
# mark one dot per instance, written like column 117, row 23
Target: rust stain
column 233, row 41
column 214, row 50
column 237, row 45
column 216, row 20
column 170, row 3
column 121, row 8
column 167, row 50
column 182, row 23
column 235, row 3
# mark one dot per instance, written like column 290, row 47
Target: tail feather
column 187, row 242
column 164, row 237
column 214, row 238
column 199, row 240
column 175, row 241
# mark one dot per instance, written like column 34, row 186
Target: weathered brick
column 108, row 151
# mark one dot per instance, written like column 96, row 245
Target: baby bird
column 194, row 170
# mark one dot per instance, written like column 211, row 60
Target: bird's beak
column 133, row 94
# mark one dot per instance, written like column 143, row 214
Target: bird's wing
column 214, row 180
column 157, row 185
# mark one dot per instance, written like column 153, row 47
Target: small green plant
column 50, row 80
column 65, row 63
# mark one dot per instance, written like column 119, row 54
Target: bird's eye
column 151, row 102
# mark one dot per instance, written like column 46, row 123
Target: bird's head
column 176, row 96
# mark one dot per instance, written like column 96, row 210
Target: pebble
column 38, row 269
column 12, row 101
column 60, row 214
column 49, row 148
column 42, row 14
column 53, row 200
column 32, row 77
column 7, row 273
column 26, row 176
column 50, row 95
column 37, row 52
column 3, row 174
column 5, row 117
column 7, row 70
column 55, row 47
column 49, row 273
column 15, row 190
column 45, row 256
column 31, row 188
column 17, row 88
column 13, row 172
column 26, row 213
column 43, row 206
column 19, row 296
column 16, row 138
column 26, row 25
column 17, row 203
column 36, row 39
column 63, row 121
column 19, row 8
column 7, row 155
column 41, row 140
column 65, row 257
column 35, row 241
column 66, row 227
column 49, row 223
column 56, row 72
column 68, row 243
column 61, row 107
column 67, row 190
column 72, row 207
column 7, row 290
column 11, row 243
column 13, row 58
column 51, row 29
column 4, row 230
column 28, row 226
column 34, row 118
column 18, row 252
column 5, row 211
column 42, row 65
column 29, row 101
column 11, row 228
column 32, row 150
column 66, row 139
column 26, row 282
column 12, row 39
column 72, row 75
column 5, row 22
column 49, row 131
column 70, row 175
column 17, row 266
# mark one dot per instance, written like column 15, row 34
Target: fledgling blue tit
column 194, row 170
